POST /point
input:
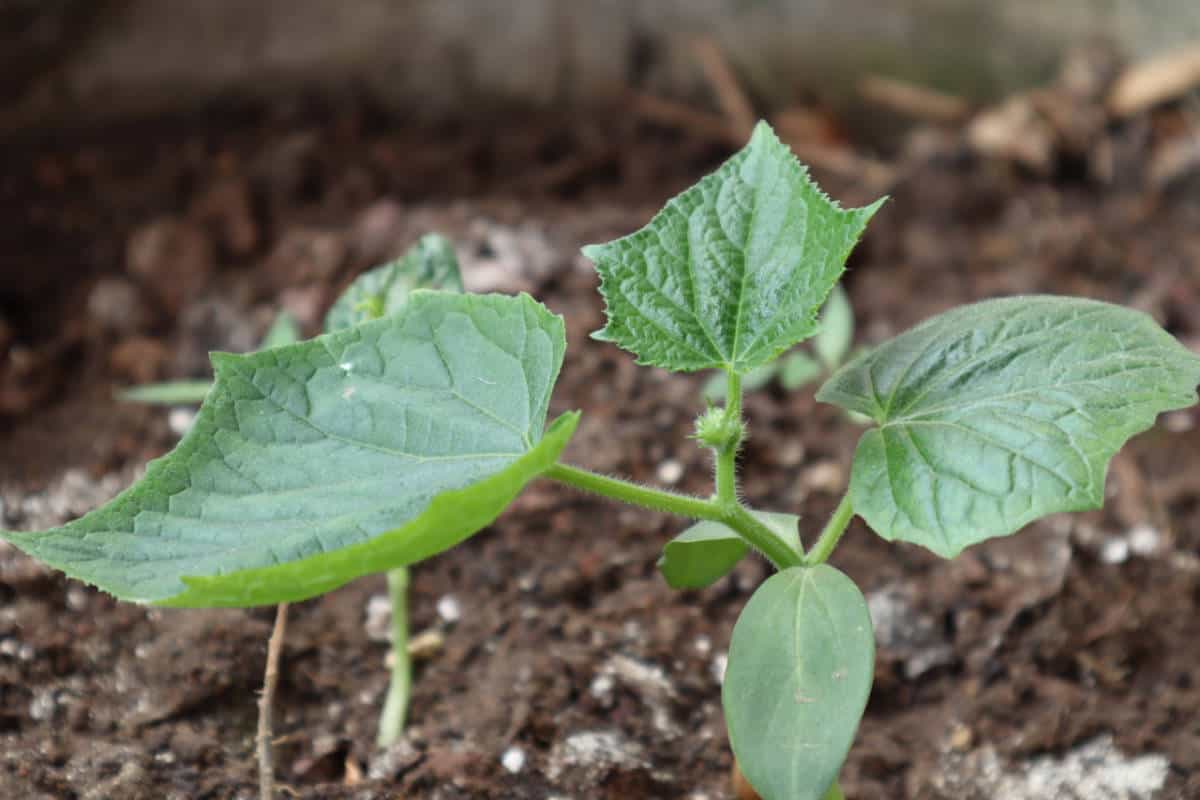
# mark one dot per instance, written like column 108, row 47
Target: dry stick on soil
column 266, row 761
column 844, row 162
column 913, row 100
column 724, row 82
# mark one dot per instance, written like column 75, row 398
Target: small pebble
column 513, row 759
column 77, row 598
column 1179, row 421
column 426, row 644
column 961, row 738
column 449, row 609
column 1144, row 541
column 180, row 420
column 1115, row 551
column 824, row 476
column 670, row 471
column 379, row 618
column 719, row 663
column 703, row 645
column 602, row 686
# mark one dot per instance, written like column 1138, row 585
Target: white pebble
column 602, row 686
column 180, row 420
column 449, row 609
column 513, row 759
column 670, row 471
column 703, row 645
column 379, row 618
column 77, row 599
column 1115, row 551
column 1144, row 540
column 719, row 664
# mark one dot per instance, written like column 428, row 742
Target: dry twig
column 732, row 100
column 912, row 100
column 266, row 760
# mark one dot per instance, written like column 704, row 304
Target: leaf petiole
column 395, row 707
column 737, row 517
column 832, row 532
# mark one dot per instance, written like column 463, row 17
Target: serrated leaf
column 833, row 340
column 798, row 369
column 429, row 264
column 351, row 453
column 708, row 550
column 732, row 272
column 995, row 414
column 801, row 663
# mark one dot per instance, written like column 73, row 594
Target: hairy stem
column 726, row 456
column 761, row 538
column 266, row 735
column 395, row 707
column 832, row 532
column 736, row 516
column 682, row 505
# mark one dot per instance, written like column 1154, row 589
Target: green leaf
column 833, row 340
column 732, row 272
column 801, row 663
column 284, row 330
column 429, row 264
column 708, row 550
column 172, row 393
column 718, row 385
column 351, row 453
column 798, row 369
column 995, row 414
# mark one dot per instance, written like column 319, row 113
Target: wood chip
column 1155, row 80
column 1014, row 131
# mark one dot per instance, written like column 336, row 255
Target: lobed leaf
column 428, row 264
column 994, row 414
column 732, row 271
column 351, row 453
column 706, row 551
column 801, row 663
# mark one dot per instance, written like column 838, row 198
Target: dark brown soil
column 570, row 648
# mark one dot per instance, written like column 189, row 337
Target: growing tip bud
column 720, row 430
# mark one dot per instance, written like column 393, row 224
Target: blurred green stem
column 395, row 708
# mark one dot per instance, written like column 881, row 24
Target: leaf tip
column 592, row 252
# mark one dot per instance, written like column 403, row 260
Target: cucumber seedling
column 388, row 441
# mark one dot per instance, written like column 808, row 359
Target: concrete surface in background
column 438, row 57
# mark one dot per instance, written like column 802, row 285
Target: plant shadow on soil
column 570, row 667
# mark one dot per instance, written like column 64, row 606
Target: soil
column 568, row 668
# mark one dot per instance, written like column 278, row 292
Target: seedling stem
column 395, row 707
column 832, row 532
